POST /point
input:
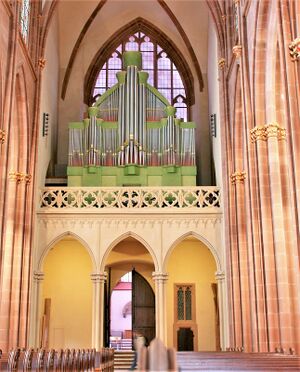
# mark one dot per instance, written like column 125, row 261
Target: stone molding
column 38, row 276
column 222, row 63
column 294, row 48
column 238, row 177
column 237, row 51
column 128, row 222
column 219, row 275
column 19, row 177
column 160, row 276
column 2, row 136
column 99, row 277
column 263, row 132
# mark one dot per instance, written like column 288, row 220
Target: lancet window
column 24, row 19
column 184, row 302
column 163, row 73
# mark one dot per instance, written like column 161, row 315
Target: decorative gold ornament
column 237, row 51
column 236, row 2
column 19, row 177
column 223, row 17
column 41, row 63
column 222, row 63
column 294, row 48
column 238, row 177
column 2, row 136
column 262, row 133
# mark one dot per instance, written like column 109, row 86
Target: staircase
column 123, row 359
column 126, row 344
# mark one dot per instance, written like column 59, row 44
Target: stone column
column 224, row 336
column 160, row 279
column 98, row 280
column 38, row 277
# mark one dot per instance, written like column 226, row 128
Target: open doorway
column 130, row 299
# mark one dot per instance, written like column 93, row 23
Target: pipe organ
column 132, row 137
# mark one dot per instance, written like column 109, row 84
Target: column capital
column 2, row 136
column 38, row 276
column 237, row 51
column 41, row 63
column 238, row 177
column 160, row 276
column 219, row 275
column 99, row 277
column 263, row 132
column 222, row 63
column 294, row 48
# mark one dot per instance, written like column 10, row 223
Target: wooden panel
column 143, row 307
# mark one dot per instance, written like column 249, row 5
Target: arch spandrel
column 122, row 237
column 58, row 239
column 202, row 239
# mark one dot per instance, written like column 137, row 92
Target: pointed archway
column 129, row 255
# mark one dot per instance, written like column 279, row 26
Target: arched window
column 163, row 73
column 24, row 19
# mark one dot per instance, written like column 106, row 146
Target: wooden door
column 143, row 307
column 185, row 339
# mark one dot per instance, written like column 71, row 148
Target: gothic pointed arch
column 146, row 27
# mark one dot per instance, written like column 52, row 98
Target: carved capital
column 2, row 136
column 219, row 275
column 294, row 48
column 159, row 276
column 99, row 277
column 41, row 63
column 222, row 63
column 19, row 177
column 263, row 132
column 38, row 276
column 275, row 130
column 237, row 51
column 238, row 177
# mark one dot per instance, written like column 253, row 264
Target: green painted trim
column 158, row 94
column 76, row 125
column 74, row 171
column 188, row 125
column 105, row 95
column 99, row 122
column 143, row 77
column 132, row 58
column 121, row 76
column 109, row 124
column 93, row 111
column 189, row 171
column 86, row 122
column 153, row 124
column 170, row 111
column 177, row 121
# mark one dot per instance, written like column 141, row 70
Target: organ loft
column 132, row 137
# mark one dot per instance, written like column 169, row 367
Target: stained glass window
column 184, row 299
column 163, row 73
column 24, row 19
column 180, row 304
column 188, row 304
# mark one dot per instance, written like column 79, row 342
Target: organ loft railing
column 132, row 137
